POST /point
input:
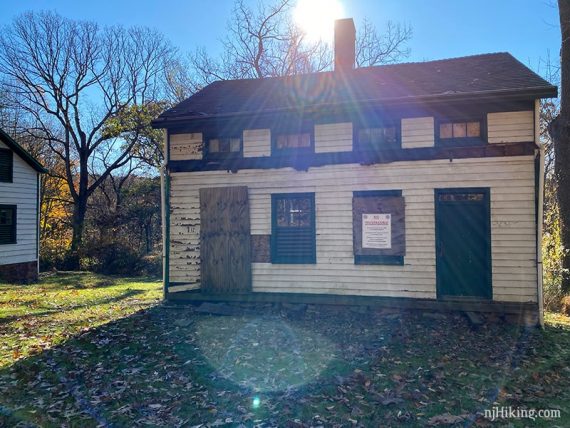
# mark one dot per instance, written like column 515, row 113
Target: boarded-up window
column 6, row 165
column 7, row 224
column 379, row 232
column 293, row 228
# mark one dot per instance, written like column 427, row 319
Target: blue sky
column 442, row 29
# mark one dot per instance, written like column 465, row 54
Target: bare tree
column 560, row 132
column 389, row 47
column 265, row 42
column 71, row 78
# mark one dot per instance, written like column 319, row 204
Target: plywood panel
column 225, row 245
column 417, row 132
column 261, row 248
column 510, row 127
column 186, row 146
column 256, row 143
column 393, row 205
column 333, row 137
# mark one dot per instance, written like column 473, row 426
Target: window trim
column 386, row 123
column 276, row 131
column 222, row 155
column 10, row 167
column 14, row 230
column 275, row 258
column 464, row 141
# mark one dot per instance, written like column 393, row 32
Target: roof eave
column 531, row 93
column 20, row 151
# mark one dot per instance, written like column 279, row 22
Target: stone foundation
column 19, row 273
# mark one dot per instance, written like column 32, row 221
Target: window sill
column 379, row 260
column 293, row 262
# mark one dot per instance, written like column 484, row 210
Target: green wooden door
column 463, row 243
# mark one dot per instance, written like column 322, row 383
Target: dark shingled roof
column 487, row 74
column 19, row 150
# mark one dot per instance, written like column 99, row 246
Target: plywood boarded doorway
column 225, row 245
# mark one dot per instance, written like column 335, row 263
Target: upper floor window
column 460, row 131
column 293, row 141
column 7, row 224
column 6, row 165
column 223, row 147
column 379, row 138
column 291, row 137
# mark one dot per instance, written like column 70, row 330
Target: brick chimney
column 344, row 44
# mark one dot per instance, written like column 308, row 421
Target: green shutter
column 7, row 224
column 6, row 165
column 293, row 244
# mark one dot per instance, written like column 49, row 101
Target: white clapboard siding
column 510, row 127
column 333, row 137
column 186, row 146
column 256, row 143
column 511, row 180
column 22, row 192
column 417, row 132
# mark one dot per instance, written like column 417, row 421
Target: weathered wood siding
column 417, row 132
column 256, row 143
column 186, row 146
column 510, row 127
column 333, row 137
column 23, row 193
column 511, row 180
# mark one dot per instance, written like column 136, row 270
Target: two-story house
column 19, row 212
column 416, row 185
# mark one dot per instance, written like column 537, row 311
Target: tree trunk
column 560, row 131
column 78, row 221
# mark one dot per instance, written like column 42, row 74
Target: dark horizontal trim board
column 375, row 193
column 377, row 301
column 364, row 158
column 356, row 114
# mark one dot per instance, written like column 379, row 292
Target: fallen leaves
column 274, row 366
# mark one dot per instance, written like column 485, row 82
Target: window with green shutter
column 7, row 224
column 293, row 228
column 6, row 165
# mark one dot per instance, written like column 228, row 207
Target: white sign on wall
column 376, row 231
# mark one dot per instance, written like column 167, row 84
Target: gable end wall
column 23, row 193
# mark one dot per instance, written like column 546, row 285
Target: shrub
column 117, row 258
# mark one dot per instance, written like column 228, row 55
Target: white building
column 415, row 185
column 19, row 212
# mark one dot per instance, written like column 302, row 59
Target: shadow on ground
column 174, row 367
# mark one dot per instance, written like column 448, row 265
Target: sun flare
column 316, row 18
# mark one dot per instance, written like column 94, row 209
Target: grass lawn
column 87, row 350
